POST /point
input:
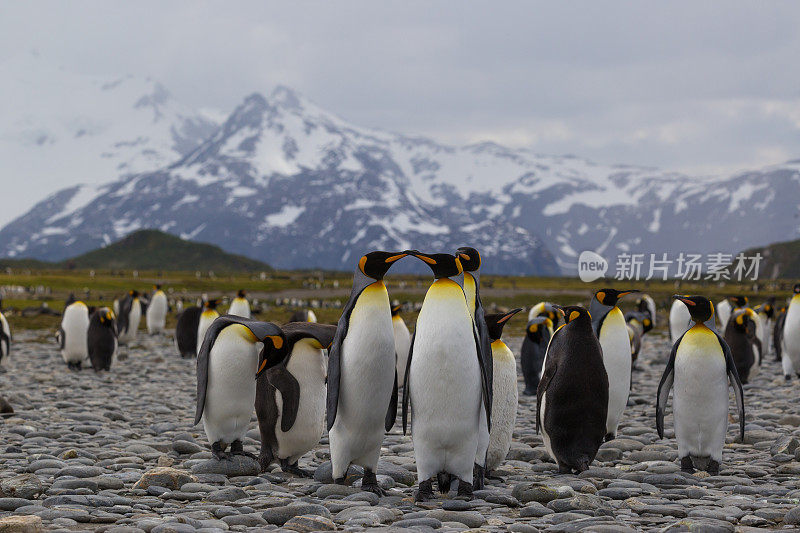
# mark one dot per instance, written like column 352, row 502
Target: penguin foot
column 265, row 459
column 218, row 450
column 687, row 465
column 369, row 483
column 339, row 481
column 478, row 477
column 787, row 377
column 295, row 469
column 443, row 481
column 464, row 490
column 564, row 469
column 713, row 467
column 425, row 491
column 610, row 437
column 237, row 448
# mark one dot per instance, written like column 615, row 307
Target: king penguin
column 470, row 261
column 534, row 346
column 130, row 314
column 766, row 315
column 227, row 364
column 72, row 335
column 240, row 306
column 402, row 342
column 290, row 397
column 645, row 304
column 207, row 317
column 608, row 323
column 156, row 315
column 186, row 331
column 790, row 336
column 679, row 320
column 572, row 400
column 699, row 368
column 362, row 385
column 446, row 382
column 745, row 346
column 777, row 332
column 102, row 339
column 504, row 394
column 545, row 309
column 5, row 337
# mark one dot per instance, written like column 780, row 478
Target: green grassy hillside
column 780, row 260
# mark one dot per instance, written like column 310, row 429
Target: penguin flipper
column 664, row 386
column 391, row 413
column 406, row 393
column 62, row 337
column 486, row 383
column 544, row 382
column 287, row 385
column 736, row 383
column 598, row 313
column 261, row 330
column 295, row 331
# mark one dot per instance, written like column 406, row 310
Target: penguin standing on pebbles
column 504, row 396
column 228, row 365
column 290, row 397
column 362, row 385
column 72, row 335
column 790, row 336
column 402, row 342
column 446, row 383
column 102, row 339
column 744, row 344
column 699, row 369
column 608, row 323
column 186, row 331
column 207, row 317
column 156, row 315
column 240, row 306
column 777, row 332
column 130, row 314
column 534, row 347
column 572, row 400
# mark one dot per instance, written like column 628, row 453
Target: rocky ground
column 117, row 452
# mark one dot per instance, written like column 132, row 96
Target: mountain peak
column 287, row 98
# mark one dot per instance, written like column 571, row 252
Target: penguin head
column 134, row 293
column 396, row 309
column 796, row 289
column 537, row 326
column 240, row 294
column 700, row 308
column 610, row 297
column 547, row 310
column 273, row 353
column 470, row 258
column 442, row 265
column 743, row 318
column 212, row 304
column 157, row 286
column 106, row 316
column 739, row 301
column 574, row 313
column 495, row 323
column 376, row 264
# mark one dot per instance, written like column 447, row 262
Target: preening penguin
column 504, row 397
column 207, row 317
column 609, row 326
column 186, row 331
column 547, row 310
column 745, row 346
column 534, row 347
column 362, row 385
column 240, row 306
column 290, row 397
column 572, row 400
column 699, row 368
column 156, row 315
column 5, row 338
column 73, row 339
column 790, row 336
column 446, row 382
column 227, row 364
column 402, row 342
column 102, row 339
column 130, row 314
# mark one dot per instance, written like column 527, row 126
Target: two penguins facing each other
column 87, row 334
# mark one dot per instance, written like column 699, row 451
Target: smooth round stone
column 309, row 523
column 418, row 522
column 247, row 520
column 233, row 466
column 280, row 515
column 470, row 519
column 173, row 527
column 522, row 528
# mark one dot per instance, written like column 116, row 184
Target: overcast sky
column 703, row 87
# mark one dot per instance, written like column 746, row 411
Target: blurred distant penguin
column 790, row 337
column 744, row 344
column 156, row 314
column 186, row 331
column 646, row 304
column 545, row 309
column 766, row 316
column 303, row 315
column 402, row 342
column 777, row 332
column 130, row 314
column 723, row 310
column 102, row 339
column 505, row 396
column 699, row 369
column 639, row 323
column 534, row 347
column 362, row 385
column 572, row 400
column 228, row 366
column 73, row 335
column 240, row 306
column 290, row 397
column 5, row 339
column 208, row 316
column 609, row 326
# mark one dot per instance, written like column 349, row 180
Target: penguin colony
column 458, row 378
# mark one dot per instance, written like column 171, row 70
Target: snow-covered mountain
column 286, row 182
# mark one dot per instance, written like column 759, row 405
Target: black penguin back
column 102, row 339
column 186, row 331
column 741, row 340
